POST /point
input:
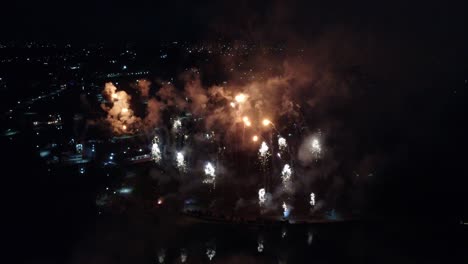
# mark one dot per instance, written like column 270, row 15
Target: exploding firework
column 282, row 144
column 180, row 162
column 255, row 138
column 312, row 199
column 246, row 121
column 261, row 196
column 155, row 151
column 263, row 154
column 119, row 114
column 315, row 147
column 209, row 173
column 266, row 122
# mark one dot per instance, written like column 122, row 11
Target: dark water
column 144, row 238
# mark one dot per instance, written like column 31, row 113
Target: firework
column 246, row 121
column 177, row 124
column 263, row 154
column 282, row 144
column 312, row 199
column 284, row 232
column 161, row 256
column 209, row 173
column 241, row 98
column 233, row 105
column 255, row 138
column 315, row 147
column 155, row 151
column 266, row 122
column 124, row 110
column 260, row 246
column 310, row 237
column 286, row 173
column 183, row 256
column 261, row 196
column 180, row 162
column 286, row 210
column 210, row 252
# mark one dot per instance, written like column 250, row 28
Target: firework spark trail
column 261, row 196
column 155, row 150
column 312, row 199
column 263, row 154
column 210, row 174
column 180, row 162
column 286, row 177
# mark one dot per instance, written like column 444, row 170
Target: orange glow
column 255, row 138
column 266, row 122
column 240, row 98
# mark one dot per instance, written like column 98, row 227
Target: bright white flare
column 233, row 105
column 124, row 110
column 155, row 151
column 261, row 196
column 312, row 199
column 180, row 161
column 209, row 173
column 255, row 138
column 266, row 122
column 282, row 144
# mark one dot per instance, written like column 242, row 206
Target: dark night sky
column 201, row 20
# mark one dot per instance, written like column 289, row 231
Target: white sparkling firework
column 261, row 196
column 286, row 173
column 286, row 210
column 286, row 177
column 210, row 253
column 180, row 162
column 315, row 147
column 283, row 232
column 282, row 144
column 209, row 173
column 312, row 199
column 155, row 151
column 263, row 154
